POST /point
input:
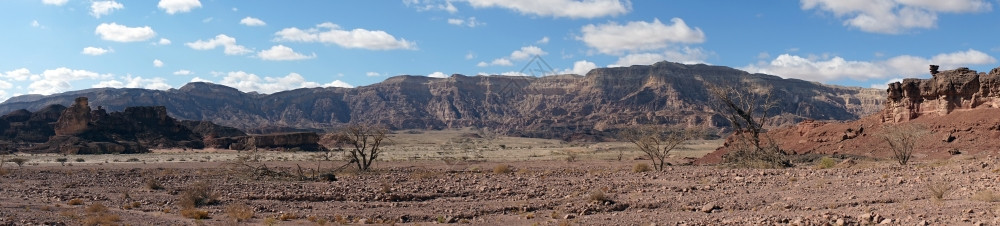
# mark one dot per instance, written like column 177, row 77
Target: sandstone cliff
column 563, row 106
column 945, row 92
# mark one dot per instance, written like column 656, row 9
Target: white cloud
column 496, row 62
column 372, row 74
column 157, row 63
column 57, row 80
column 121, row 33
column 94, row 51
column 686, row 55
column 894, row 16
column 248, row 82
column 527, row 52
column 613, row 38
column 54, row 2
column 100, row 8
column 135, row 82
column 544, row 40
column 183, row 72
column 250, row 21
column 338, row 83
column 20, row 74
column 885, row 85
column 34, row 23
column 329, row 33
column 207, row 20
column 437, row 74
column 164, row 41
column 470, row 55
column 470, row 22
column 560, row 8
column 198, row 79
column 426, row 5
column 178, row 6
column 282, row 53
column 793, row 66
column 580, row 68
column 229, row 43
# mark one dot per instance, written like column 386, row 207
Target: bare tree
column 902, row 138
column 748, row 112
column 364, row 142
column 657, row 142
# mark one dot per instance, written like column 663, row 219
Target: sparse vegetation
column 597, row 196
column 986, row 196
column 657, row 142
column 902, row 138
column 194, row 213
column 747, row 112
column 75, row 202
column 938, row 189
column 364, row 143
column 19, row 161
column 826, row 163
column 196, row 195
column 240, row 212
column 80, row 160
column 153, row 184
column 62, row 161
column 502, row 169
column 640, row 167
column 97, row 214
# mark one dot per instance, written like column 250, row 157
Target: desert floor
column 528, row 182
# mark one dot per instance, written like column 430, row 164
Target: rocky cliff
column 562, row 106
column 945, row 92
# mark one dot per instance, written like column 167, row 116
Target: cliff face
column 562, row 106
column 945, row 92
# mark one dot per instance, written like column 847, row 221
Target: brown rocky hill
column 958, row 109
column 562, row 106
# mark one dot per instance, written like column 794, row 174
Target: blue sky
column 54, row 46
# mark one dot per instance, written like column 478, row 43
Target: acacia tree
column 364, row 143
column 657, row 142
column 902, row 139
column 748, row 111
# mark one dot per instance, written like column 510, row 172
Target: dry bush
column 240, row 212
column 938, row 189
column 502, row 169
column 598, row 196
column 19, row 161
column 97, row 214
column 194, row 213
column 986, row 196
column 197, row 194
column 153, row 184
column 902, row 139
column 287, row 217
column 657, row 142
column 747, row 112
column 75, row 202
column 640, row 167
column 364, row 143
column 826, row 163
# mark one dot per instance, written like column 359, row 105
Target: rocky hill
column 562, row 106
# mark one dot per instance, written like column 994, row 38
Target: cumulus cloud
column 470, row 22
column 199, row 79
column 524, row 53
column 183, row 72
column 544, row 40
column 283, row 53
column 358, row 38
column 580, row 68
column 425, row 5
column 157, row 63
column 250, row 21
column 248, row 82
column 94, row 51
column 20, row 74
column 122, row 33
column 560, row 8
column 178, row 6
column 163, row 41
column 793, row 66
column 686, row 55
column 496, row 62
column 54, row 2
column 372, row 74
column 437, row 74
column 57, row 80
column 156, row 83
column 614, row 38
column 894, row 16
column 229, row 44
column 100, row 8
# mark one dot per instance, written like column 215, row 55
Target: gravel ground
column 586, row 192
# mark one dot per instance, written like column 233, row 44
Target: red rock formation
column 946, row 92
column 74, row 119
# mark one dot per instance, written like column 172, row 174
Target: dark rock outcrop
column 306, row 141
column 561, row 106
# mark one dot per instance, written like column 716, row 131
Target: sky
column 53, row 46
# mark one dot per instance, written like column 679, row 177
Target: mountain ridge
column 556, row 106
